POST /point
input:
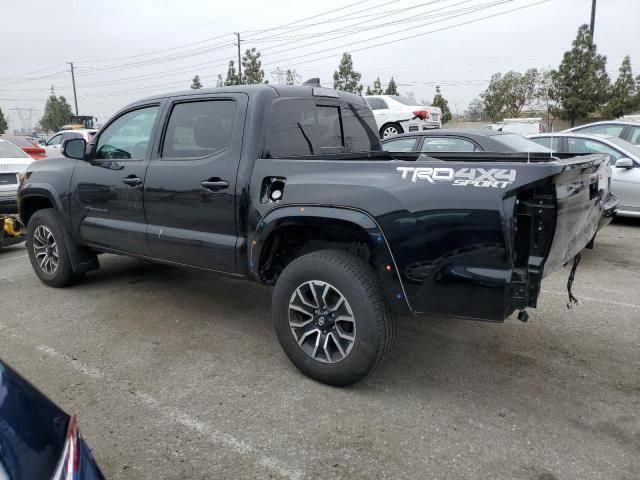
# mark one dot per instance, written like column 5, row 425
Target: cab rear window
column 300, row 127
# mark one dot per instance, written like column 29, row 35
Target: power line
column 403, row 38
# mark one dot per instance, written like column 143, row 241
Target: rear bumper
column 9, row 202
column 418, row 125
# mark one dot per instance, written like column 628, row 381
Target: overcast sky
column 126, row 50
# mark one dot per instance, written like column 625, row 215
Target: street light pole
column 593, row 17
column 237, row 34
column 73, row 80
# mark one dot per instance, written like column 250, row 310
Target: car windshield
column 627, row 146
column 9, row 150
column 519, row 143
column 406, row 101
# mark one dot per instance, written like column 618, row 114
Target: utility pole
column 593, row 17
column 237, row 34
column 73, row 80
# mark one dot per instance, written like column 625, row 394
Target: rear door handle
column 132, row 181
column 214, row 184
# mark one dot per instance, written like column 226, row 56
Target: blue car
column 37, row 439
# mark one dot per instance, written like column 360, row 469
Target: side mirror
column 624, row 163
column 74, row 148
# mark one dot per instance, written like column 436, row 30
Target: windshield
column 627, row 146
column 9, row 150
column 519, row 143
column 406, row 101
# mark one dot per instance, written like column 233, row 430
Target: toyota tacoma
column 288, row 186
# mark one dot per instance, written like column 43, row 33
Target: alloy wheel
column 322, row 321
column 45, row 249
column 389, row 131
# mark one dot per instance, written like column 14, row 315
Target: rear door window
column 400, row 145
column 634, row 135
column 549, row 142
column 199, row 129
column 581, row 145
column 303, row 127
column 447, row 144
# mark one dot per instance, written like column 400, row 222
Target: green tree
column 581, row 83
column 507, row 95
column 377, row 87
column 219, row 81
column 392, row 88
column 252, row 68
column 475, row 110
column 57, row 112
column 195, row 83
column 623, row 97
column 3, row 122
column 368, row 91
column 232, row 75
column 442, row 103
column 346, row 78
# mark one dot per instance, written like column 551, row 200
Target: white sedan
column 54, row 144
column 395, row 114
column 13, row 161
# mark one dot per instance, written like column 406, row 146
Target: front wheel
column 46, row 244
column 331, row 317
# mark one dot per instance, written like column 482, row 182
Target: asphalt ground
column 178, row 374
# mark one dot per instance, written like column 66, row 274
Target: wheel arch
column 287, row 232
column 36, row 198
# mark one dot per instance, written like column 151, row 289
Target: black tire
column 63, row 274
column 390, row 129
column 374, row 323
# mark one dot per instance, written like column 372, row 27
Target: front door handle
column 214, row 184
column 132, row 181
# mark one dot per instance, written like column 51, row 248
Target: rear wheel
column 331, row 317
column 46, row 244
column 390, row 129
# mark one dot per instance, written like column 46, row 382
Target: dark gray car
column 460, row 140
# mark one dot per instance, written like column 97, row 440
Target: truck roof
column 280, row 90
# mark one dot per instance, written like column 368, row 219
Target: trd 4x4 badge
column 464, row 177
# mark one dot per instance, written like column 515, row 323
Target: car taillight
column 69, row 464
column 421, row 114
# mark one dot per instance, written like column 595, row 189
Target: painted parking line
column 597, row 300
column 180, row 417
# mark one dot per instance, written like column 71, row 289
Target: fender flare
column 39, row 190
column 301, row 214
column 82, row 260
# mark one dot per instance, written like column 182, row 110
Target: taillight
column 421, row 114
column 69, row 463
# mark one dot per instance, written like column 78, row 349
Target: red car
column 29, row 145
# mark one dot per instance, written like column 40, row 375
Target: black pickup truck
column 288, row 186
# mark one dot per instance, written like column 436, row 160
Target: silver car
column 625, row 161
column 13, row 161
column 625, row 129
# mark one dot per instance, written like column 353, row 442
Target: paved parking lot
column 177, row 374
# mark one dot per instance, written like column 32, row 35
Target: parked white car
column 13, row 161
column 523, row 126
column 54, row 144
column 395, row 114
column 625, row 128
